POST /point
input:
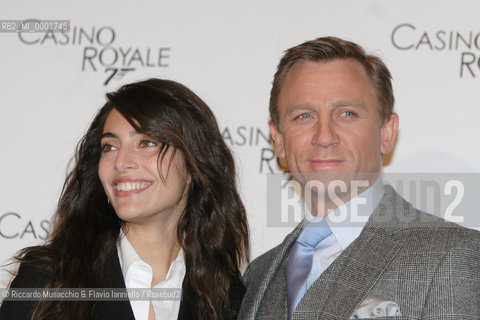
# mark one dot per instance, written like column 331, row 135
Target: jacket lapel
column 187, row 307
column 256, row 298
column 364, row 264
column 112, row 277
column 344, row 285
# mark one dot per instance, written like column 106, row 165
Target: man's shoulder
column 443, row 234
column 256, row 272
column 416, row 228
column 259, row 267
column 403, row 216
column 268, row 261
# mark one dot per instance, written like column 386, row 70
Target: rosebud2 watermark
column 451, row 196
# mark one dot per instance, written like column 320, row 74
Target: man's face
column 329, row 122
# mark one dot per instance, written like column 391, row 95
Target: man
column 332, row 119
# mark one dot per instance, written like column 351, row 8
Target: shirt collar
column 128, row 256
column 348, row 220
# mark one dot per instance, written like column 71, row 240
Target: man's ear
column 389, row 133
column 277, row 140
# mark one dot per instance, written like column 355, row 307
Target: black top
column 111, row 277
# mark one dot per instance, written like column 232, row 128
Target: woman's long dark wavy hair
column 212, row 229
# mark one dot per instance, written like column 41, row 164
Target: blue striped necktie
column 299, row 262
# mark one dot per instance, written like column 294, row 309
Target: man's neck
column 322, row 204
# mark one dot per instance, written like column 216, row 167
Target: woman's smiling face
column 141, row 186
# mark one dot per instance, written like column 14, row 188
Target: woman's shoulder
column 29, row 276
column 32, row 273
column 34, row 269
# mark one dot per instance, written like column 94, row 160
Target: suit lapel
column 274, row 304
column 187, row 305
column 264, row 284
column 112, row 277
column 344, row 285
column 362, row 267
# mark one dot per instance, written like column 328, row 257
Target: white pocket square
column 375, row 307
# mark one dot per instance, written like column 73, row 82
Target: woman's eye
column 107, row 148
column 147, row 144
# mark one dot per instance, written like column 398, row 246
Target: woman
column 151, row 202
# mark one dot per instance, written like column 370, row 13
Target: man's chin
column 328, row 189
column 339, row 183
column 328, row 177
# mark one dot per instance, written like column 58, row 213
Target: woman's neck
column 157, row 246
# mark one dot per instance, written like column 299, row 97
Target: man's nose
column 126, row 160
column 325, row 134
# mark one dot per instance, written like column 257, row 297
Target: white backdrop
column 226, row 52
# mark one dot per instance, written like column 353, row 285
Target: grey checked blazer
column 430, row 268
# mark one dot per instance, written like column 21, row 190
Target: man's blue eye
column 304, row 116
column 348, row 113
